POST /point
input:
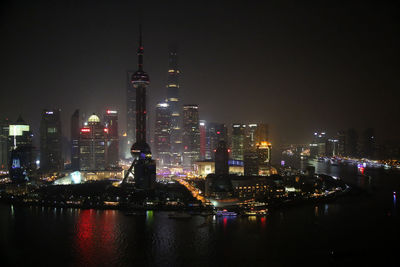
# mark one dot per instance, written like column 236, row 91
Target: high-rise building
column 221, row 159
column 4, row 144
column 21, row 158
column 215, row 132
column 352, row 143
column 318, row 145
column 111, row 124
column 191, row 135
column 341, row 137
column 51, row 141
column 130, row 115
column 93, row 145
column 203, row 139
column 368, row 143
column 162, row 134
column 173, row 98
column 143, row 165
column 75, row 133
column 238, row 141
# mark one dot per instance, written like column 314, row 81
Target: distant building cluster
column 344, row 143
column 182, row 142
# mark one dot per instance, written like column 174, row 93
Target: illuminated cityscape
column 274, row 134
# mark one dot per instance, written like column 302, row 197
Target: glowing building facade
column 162, row 134
column 191, row 135
column 173, row 98
column 111, row 124
column 21, row 158
column 93, row 145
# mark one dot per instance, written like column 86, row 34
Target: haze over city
column 199, row 133
column 299, row 68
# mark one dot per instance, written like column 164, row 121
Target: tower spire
column 140, row 50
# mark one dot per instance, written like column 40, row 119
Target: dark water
column 361, row 228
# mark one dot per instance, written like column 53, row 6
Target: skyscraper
column 175, row 105
column 203, row 139
column 162, row 134
column 21, row 158
column 238, row 140
column 92, row 145
column 4, row 144
column 215, row 132
column 111, row 124
column 221, row 159
column 130, row 115
column 351, row 143
column 191, row 135
column 75, row 131
column 51, row 141
column 368, row 143
column 143, row 165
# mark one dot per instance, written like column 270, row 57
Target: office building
column 21, row 157
column 215, row 132
column 4, row 144
column 75, row 133
column 93, row 145
column 221, row 159
column 191, row 135
column 111, row 124
column 173, row 99
column 162, row 134
column 51, row 141
column 238, row 141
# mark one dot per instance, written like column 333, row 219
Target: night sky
column 298, row 67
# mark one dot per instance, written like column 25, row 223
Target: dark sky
column 298, row 67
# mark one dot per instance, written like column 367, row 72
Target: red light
column 186, row 147
column 85, row 130
column 108, row 111
column 106, row 130
column 229, row 151
column 218, row 132
column 144, row 112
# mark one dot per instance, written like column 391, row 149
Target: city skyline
column 296, row 79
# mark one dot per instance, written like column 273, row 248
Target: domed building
column 93, row 141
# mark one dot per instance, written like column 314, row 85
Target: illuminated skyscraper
column 238, row 140
column 175, row 105
column 50, row 141
column 93, row 145
column 215, row 133
column 144, row 167
column 203, row 139
column 75, row 130
column 111, row 124
column 191, row 135
column 21, row 159
column 162, row 134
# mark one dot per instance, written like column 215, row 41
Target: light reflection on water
column 98, row 238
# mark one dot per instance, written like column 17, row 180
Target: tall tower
column 111, row 124
column 162, row 135
column 191, row 135
column 175, row 105
column 143, row 165
column 50, row 141
column 75, row 127
column 130, row 115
